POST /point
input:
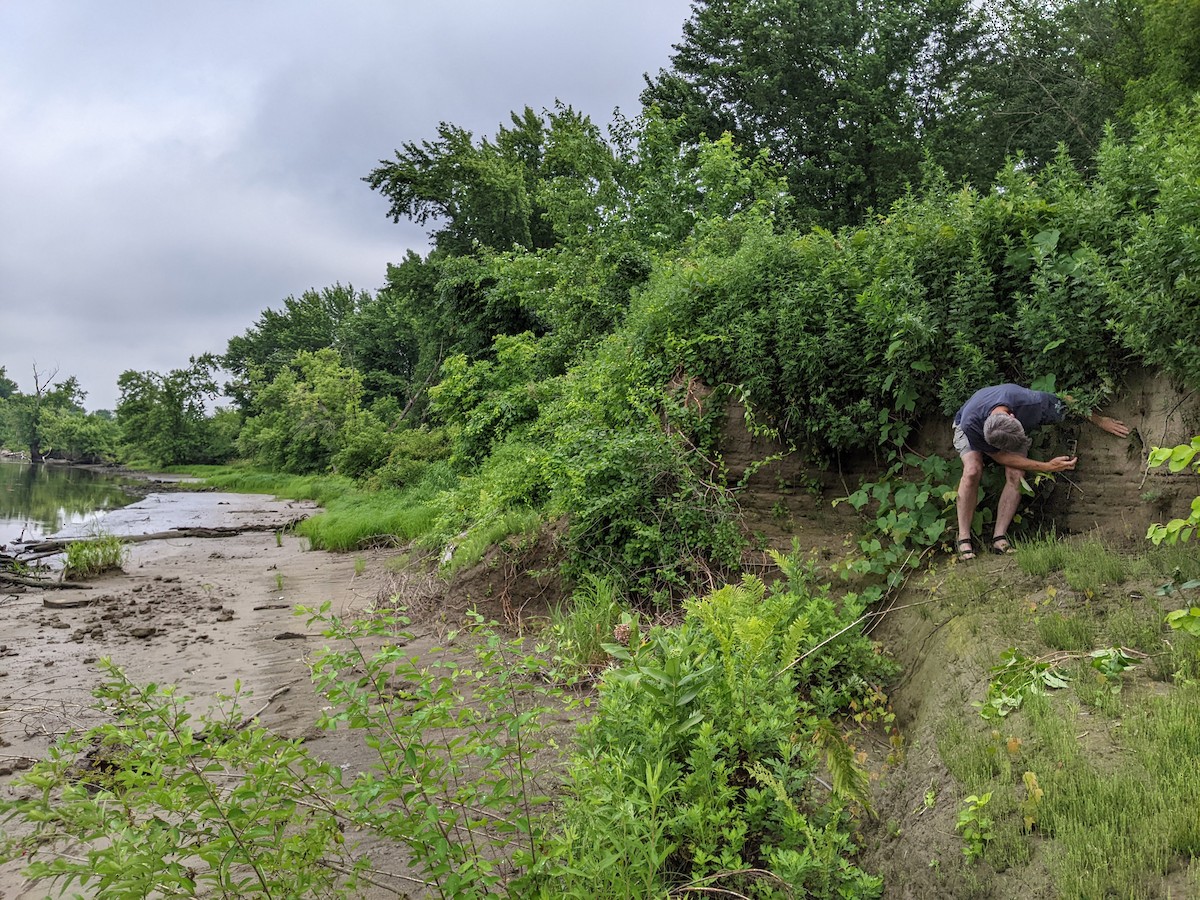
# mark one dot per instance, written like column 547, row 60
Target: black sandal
column 968, row 553
column 1006, row 549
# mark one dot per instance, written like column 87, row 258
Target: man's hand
column 1061, row 464
column 1112, row 426
column 1025, row 464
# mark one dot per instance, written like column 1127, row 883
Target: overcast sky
column 169, row 170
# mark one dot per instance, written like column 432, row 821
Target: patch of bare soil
column 202, row 613
column 517, row 583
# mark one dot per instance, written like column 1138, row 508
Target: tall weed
column 699, row 766
column 581, row 627
column 156, row 802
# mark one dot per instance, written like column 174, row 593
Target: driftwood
column 41, row 549
column 49, row 548
column 9, row 578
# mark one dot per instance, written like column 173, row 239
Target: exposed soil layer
column 790, row 497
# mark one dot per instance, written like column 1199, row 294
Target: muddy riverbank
column 197, row 612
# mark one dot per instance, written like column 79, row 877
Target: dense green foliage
column 850, row 98
column 847, row 96
column 698, row 768
column 49, row 421
column 165, row 417
column 558, row 378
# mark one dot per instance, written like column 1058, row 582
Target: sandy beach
column 200, row 613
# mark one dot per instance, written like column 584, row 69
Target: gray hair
column 1005, row 432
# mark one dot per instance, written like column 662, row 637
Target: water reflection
column 39, row 500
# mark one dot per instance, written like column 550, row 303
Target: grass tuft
column 357, row 519
column 483, row 535
column 94, row 556
column 1061, row 632
column 1087, row 565
column 581, row 626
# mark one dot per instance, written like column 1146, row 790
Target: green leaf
column 1046, row 241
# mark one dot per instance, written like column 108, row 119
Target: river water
column 36, row 501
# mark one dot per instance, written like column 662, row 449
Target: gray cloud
column 170, row 170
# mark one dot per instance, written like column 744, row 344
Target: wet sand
column 196, row 612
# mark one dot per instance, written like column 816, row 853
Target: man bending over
column 995, row 422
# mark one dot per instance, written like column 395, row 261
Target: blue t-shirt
column 1032, row 409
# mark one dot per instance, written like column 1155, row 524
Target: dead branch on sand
column 7, row 578
column 49, row 548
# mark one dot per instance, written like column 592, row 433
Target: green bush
column 699, row 765
column 410, row 452
column 305, row 415
column 93, row 556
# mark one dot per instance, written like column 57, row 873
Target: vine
column 1177, row 459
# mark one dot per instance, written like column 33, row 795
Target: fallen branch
column 254, row 715
column 49, row 548
column 7, row 578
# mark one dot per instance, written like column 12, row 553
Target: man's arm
column 1025, row 464
column 1105, row 423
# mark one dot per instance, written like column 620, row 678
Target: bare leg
column 1010, row 499
column 968, row 491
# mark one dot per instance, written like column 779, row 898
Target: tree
column 841, row 92
column 165, row 417
column 480, row 194
column 25, row 413
column 850, row 97
column 379, row 339
column 309, row 322
column 1170, row 70
column 1050, row 74
column 494, row 194
column 8, row 387
column 80, row 437
column 305, row 415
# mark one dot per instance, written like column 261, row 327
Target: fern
column 849, row 779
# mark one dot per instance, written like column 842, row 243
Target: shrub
column 699, row 765
column 411, row 451
column 102, row 553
